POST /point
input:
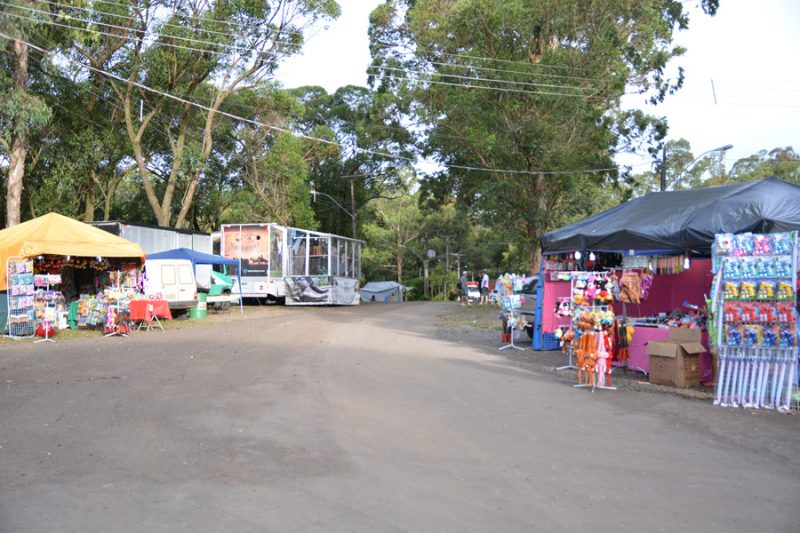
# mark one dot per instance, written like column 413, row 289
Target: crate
column 550, row 342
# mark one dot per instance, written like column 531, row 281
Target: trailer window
column 356, row 260
column 334, row 256
column 318, row 256
column 276, row 253
column 298, row 253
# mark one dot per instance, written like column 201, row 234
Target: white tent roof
column 381, row 286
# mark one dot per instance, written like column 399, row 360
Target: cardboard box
column 676, row 361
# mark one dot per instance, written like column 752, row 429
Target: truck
column 294, row 265
column 220, row 294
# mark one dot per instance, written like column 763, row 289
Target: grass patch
column 473, row 316
column 250, row 312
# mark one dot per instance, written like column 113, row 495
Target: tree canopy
column 483, row 125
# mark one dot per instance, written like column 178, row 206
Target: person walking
column 484, row 287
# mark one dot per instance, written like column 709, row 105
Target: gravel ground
column 479, row 325
column 372, row 418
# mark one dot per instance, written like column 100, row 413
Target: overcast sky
column 750, row 49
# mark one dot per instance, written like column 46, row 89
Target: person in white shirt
column 484, row 287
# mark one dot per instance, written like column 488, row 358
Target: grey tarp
column 382, row 291
column 679, row 221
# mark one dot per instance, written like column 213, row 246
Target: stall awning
column 679, row 221
column 56, row 234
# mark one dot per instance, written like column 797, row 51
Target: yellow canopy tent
column 55, row 234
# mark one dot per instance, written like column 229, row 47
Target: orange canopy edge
column 56, row 234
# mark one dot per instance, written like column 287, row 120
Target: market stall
column 658, row 248
column 58, row 272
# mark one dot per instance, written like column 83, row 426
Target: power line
column 496, row 80
column 98, row 32
column 507, row 71
column 205, row 19
column 146, row 31
column 484, row 87
column 492, row 59
column 131, row 18
column 308, row 137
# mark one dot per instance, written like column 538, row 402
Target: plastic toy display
column 757, row 319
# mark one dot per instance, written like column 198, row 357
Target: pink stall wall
column 552, row 291
column 670, row 291
column 667, row 293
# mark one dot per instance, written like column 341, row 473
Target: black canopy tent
column 677, row 222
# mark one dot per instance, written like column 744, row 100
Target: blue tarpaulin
column 199, row 258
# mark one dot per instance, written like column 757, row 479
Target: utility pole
column 446, row 264
column 458, row 264
column 664, row 168
column 353, row 204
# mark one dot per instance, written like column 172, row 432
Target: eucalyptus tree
column 519, row 100
column 21, row 111
column 172, row 65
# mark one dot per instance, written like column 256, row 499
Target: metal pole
column 664, row 168
column 447, row 266
column 425, row 288
column 353, row 204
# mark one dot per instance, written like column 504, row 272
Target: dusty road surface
column 372, row 418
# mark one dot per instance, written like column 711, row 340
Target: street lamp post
column 695, row 160
column 426, row 260
column 351, row 214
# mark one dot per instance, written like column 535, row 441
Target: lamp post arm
column 332, row 199
column 699, row 157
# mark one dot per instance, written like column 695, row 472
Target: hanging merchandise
column 756, row 319
column 624, row 335
column 590, row 338
column 630, row 287
column 21, row 290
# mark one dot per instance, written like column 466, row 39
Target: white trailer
column 304, row 267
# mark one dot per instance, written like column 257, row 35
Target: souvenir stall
column 657, row 251
column 58, row 273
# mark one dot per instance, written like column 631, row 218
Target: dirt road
column 371, row 418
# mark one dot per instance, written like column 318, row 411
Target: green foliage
column 546, row 122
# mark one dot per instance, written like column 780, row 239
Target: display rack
column 118, row 323
column 587, row 303
column 21, row 314
column 509, row 305
column 756, row 314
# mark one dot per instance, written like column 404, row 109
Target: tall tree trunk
column 88, row 210
column 19, row 146
column 533, row 230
